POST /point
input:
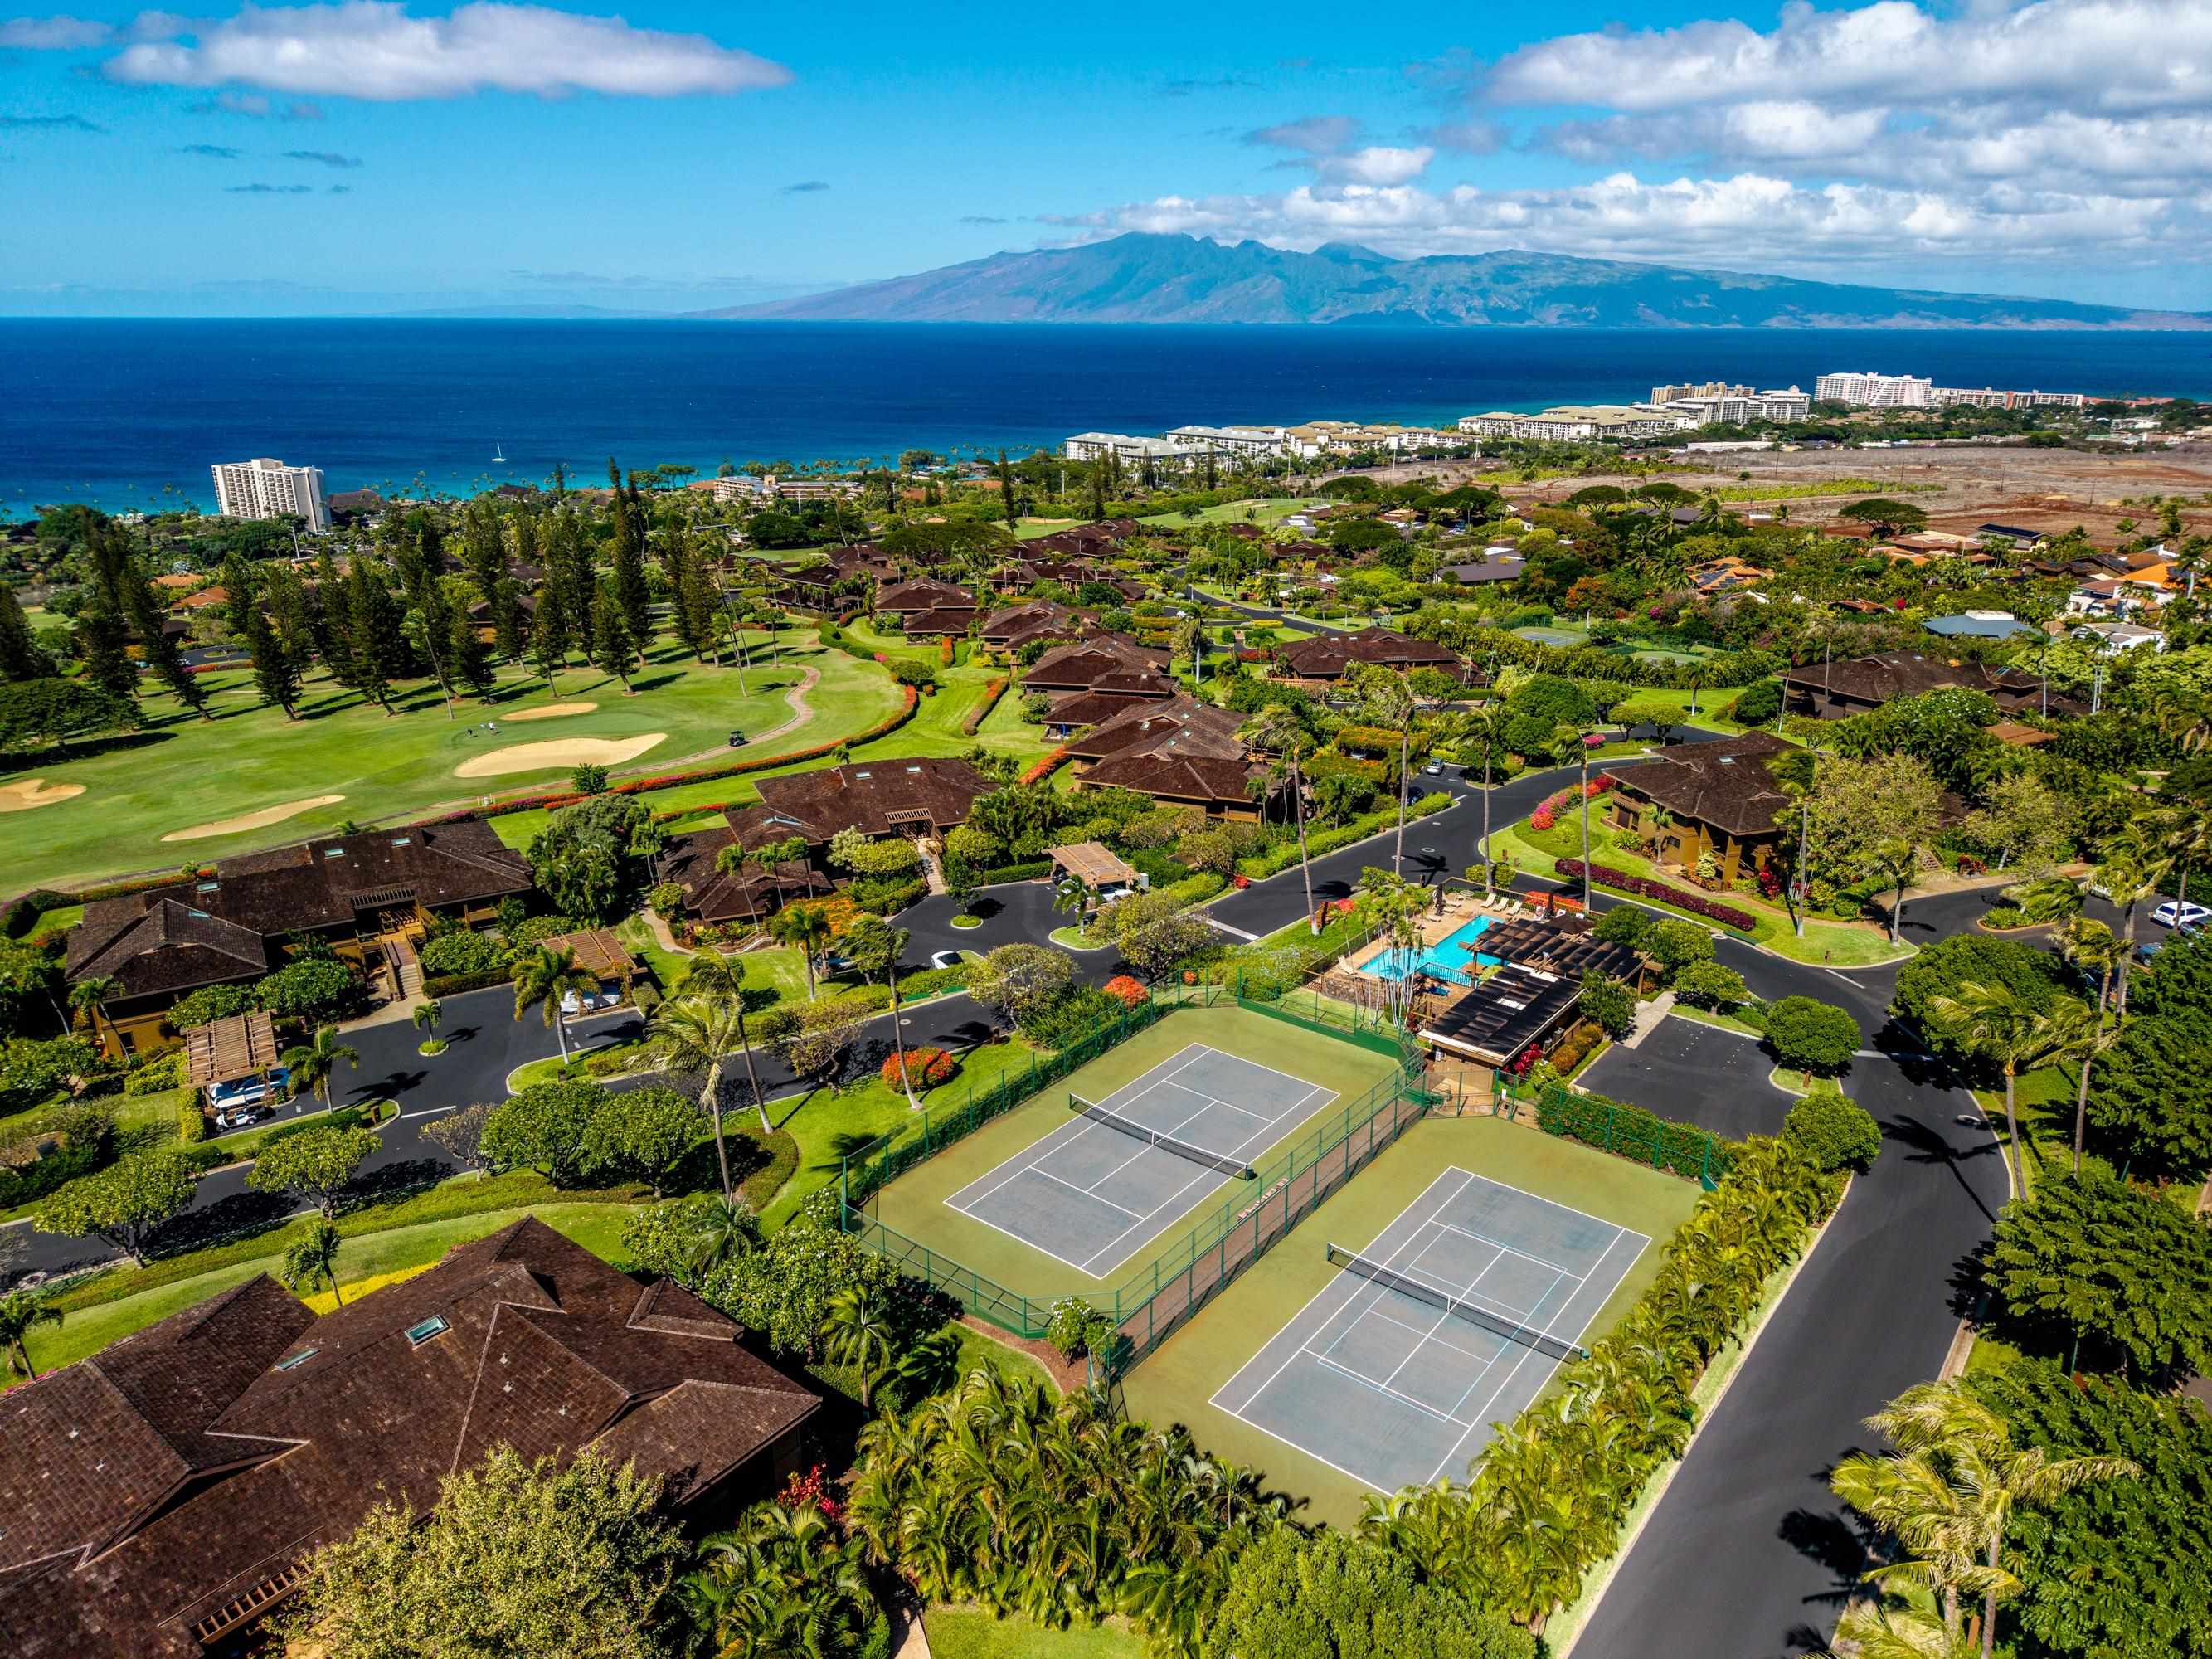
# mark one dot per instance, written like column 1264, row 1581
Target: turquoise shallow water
column 130, row 412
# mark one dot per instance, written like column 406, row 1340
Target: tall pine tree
column 101, row 636
column 1007, row 491
column 275, row 671
column 545, row 641
column 379, row 649
column 469, row 663
column 633, row 593
column 21, row 656
column 509, row 626
column 610, row 638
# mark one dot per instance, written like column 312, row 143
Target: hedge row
column 698, row 775
column 1696, row 903
column 982, row 711
column 452, row 985
column 1630, row 1131
column 1027, row 869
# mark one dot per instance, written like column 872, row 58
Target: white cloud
column 1316, row 135
column 1378, row 164
column 2116, row 54
column 373, row 49
column 1749, row 219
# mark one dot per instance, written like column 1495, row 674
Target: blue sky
column 381, row 155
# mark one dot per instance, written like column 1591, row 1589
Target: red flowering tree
column 1130, row 991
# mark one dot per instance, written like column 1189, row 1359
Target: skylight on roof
column 294, row 1361
column 434, row 1326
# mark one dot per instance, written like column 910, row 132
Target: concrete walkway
column 1647, row 1016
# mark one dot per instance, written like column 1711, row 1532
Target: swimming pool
column 1448, row 958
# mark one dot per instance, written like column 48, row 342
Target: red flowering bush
column 1696, row 903
column 1770, row 881
column 1542, row 818
column 810, row 1492
column 1044, row 768
column 1130, row 991
column 925, row 1069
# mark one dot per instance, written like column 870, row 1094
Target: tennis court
column 1452, row 1319
column 1122, row 1168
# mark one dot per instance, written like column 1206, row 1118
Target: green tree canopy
column 516, row 1558
column 1944, row 966
column 124, row 1204
column 549, row 1126
column 1809, row 1036
column 2151, row 1099
column 2129, row 1274
column 589, row 855
column 315, row 1164
column 1331, row 1597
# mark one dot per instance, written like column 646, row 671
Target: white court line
column 1377, row 1313
column 984, row 1221
column 1550, row 1371
column 1367, row 1381
column 1333, row 1285
column 1367, row 1481
column 1038, row 1169
column 1256, row 1066
column 1460, row 1294
column 1496, row 1244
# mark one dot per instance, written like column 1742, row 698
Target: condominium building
column 1740, row 406
column 741, row 487
column 266, row 489
column 1870, row 391
column 1130, row 451
column 1674, row 394
column 1955, row 397
column 1254, row 440
column 1571, row 421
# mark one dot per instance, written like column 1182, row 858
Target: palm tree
column 313, row 1260
column 2053, row 899
column 2184, row 837
column 21, row 1313
column 1896, row 861
column 1969, row 1448
column 313, row 1065
column 693, row 1032
column 805, row 926
column 1875, row 1629
column 1073, row 893
column 2000, row 1025
column 89, row 996
column 1486, row 726
column 545, row 978
column 428, row 1012
column 2132, row 868
column 1276, row 729
column 2079, row 1034
column 725, row 1227
column 1570, row 748
column 857, row 1331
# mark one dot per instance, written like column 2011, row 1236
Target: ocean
column 128, row 414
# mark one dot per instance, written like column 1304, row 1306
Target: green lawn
column 597, row 1227
column 933, row 730
column 2044, row 1100
column 973, row 1633
column 181, row 772
column 1178, row 1380
column 1263, row 509
column 826, row 1125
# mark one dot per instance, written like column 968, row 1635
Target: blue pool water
column 1448, row 958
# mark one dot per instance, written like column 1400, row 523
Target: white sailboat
column 498, row 450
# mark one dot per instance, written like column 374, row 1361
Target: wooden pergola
column 1090, row 863
column 599, row 953
column 224, row 1050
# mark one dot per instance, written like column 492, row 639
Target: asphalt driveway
column 1697, row 1074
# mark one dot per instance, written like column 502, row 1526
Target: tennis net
column 1129, row 1125
column 1500, row 1324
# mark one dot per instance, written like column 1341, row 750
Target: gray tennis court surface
column 1390, row 1389
column 1089, row 1195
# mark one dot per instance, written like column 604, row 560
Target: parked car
column 1435, row 769
column 242, row 1117
column 945, row 959
column 2176, row 913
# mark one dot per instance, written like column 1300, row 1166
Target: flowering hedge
column 1546, row 814
column 1130, row 991
column 925, row 1069
column 981, row 711
column 888, row 724
column 1044, row 767
column 1697, row 903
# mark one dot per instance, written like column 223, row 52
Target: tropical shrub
column 2039, row 978
column 460, row 951
column 1131, row 991
column 1835, row 1133
column 158, row 1076
column 1807, row 1035
column 1328, row 1596
column 1069, row 1019
column 208, row 1003
column 2150, row 1098
column 1629, row 1131
column 316, row 989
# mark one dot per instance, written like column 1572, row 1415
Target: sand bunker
column 551, row 711
column 25, row 793
column 261, row 820
column 559, row 752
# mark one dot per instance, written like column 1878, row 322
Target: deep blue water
column 117, row 412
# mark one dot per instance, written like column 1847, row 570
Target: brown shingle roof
column 911, row 597
column 1182, row 724
column 197, row 1471
column 1326, row 656
column 1878, row 679
column 154, row 944
column 1726, row 785
column 1204, row 778
column 713, row 894
column 1082, row 664
column 878, row 797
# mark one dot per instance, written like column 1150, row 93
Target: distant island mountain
column 1142, row 278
